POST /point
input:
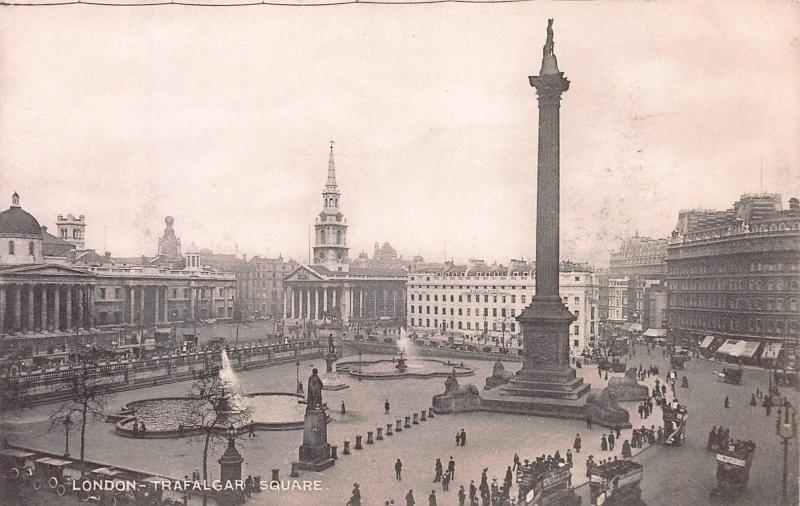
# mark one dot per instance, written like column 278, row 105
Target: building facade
column 735, row 275
column 45, row 293
column 333, row 289
column 479, row 299
column 259, row 283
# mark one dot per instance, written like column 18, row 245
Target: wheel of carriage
column 37, row 484
column 14, row 473
column 53, row 482
column 61, row 489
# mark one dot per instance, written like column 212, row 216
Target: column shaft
column 68, row 312
column 57, row 308
column 2, row 309
column 44, row 307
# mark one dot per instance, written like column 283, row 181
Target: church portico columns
column 56, row 308
column 308, row 303
column 68, row 310
column 316, row 304
column 17, row 308
column 31, row 313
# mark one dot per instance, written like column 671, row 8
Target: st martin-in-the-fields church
column 331, row 288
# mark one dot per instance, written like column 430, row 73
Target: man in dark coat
column 577, row 443
column 410, row 498
column 398, row 470
column 432, row 498
column 451, row 468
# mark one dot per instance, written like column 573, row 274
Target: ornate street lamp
column 297, row 381
column 67, row 424
column 786, row 429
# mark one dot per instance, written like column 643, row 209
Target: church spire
column 331, row 171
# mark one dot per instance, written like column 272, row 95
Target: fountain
column 401, row 363
column 169, row 416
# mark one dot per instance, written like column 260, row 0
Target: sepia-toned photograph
column 399, row 252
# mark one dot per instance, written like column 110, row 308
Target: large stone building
column 259, row 283
column 45, row 294
column 636, row 274
column 734, row 275
column 479, row 299
column 331, row 288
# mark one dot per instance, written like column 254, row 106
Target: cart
column 678, row 361
column 614, row 365
column 733, row 469
column 540, row 486
column 731, row 375
column 16, row 464
column 616, row 482
column 675, row 417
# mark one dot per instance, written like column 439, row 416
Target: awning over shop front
column 632, row 327
column 728, row 347
column 707, row 341
column 771, row 351
column 655, row 333
column 748, row 349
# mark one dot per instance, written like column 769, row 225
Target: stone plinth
column 455, row 399
column 628, row 388
column 315, row 452
column 499, row 376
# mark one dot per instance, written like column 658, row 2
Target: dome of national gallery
column 15, row 222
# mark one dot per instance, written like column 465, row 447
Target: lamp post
column 67, row 424
column 297, row 381
column 786, row 429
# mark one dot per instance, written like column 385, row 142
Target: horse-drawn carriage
column 614, row 365
column 541, row 486
column 678, row 360
column 616, row 482
column 731, row 375
column 733, row 468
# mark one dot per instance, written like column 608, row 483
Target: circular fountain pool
column 414, row 368
column 171, row 416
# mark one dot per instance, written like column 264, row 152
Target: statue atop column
column 314, row 400
column 549, row 62
column 548, row 45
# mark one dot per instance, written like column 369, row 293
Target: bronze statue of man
column 314, row 400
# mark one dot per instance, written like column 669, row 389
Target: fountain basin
column 163, row 415
column 414, row 368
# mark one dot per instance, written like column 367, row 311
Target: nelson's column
column 546, row 384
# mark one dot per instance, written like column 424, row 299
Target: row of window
column 575, row 329
column 495, row 298
column 12, row 248
column 751, row 284
column 104, row 293
column 775, row 326
column 732, row 266
column 722, row 302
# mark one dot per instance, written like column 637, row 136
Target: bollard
column 294, row 473
column 358, row 442
column 389, row 429
column 407, row 424
column 369, row 438
column 399, row 427
column 276, row 478
column 334, row 455
column 380, row 434
column 416, row 419
column 424, row 416
column 430, row 413
column 346, row 450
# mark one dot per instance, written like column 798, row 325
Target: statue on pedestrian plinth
column 314, row 399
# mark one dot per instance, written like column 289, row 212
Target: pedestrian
column 343, row 408
column 432, row 498
column 473, row 493
column 143, row 429
column 438, row 471
column 386, row 407
column 458, row 439
column 753, row 401
column 611, row 441
column 588, row 421
column 603, row 443
column 410, row 498
column 248, row 486
column 251, row 427
column 569, row 457
column 451, row 468
column 445, row 482
column 727, row 402
column 463, row 437
column 355, row 497
column 626, row 450
column 398, row 470
column 196, row 474
column 577, row 443
column 135, row 428
column 618, row 430
column 462, row 496
column 516, row 462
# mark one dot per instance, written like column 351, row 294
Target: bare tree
column 212, row 410
column 89, row 394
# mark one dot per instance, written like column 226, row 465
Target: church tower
column 330, row 227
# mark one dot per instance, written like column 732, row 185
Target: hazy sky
column 221, row 118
